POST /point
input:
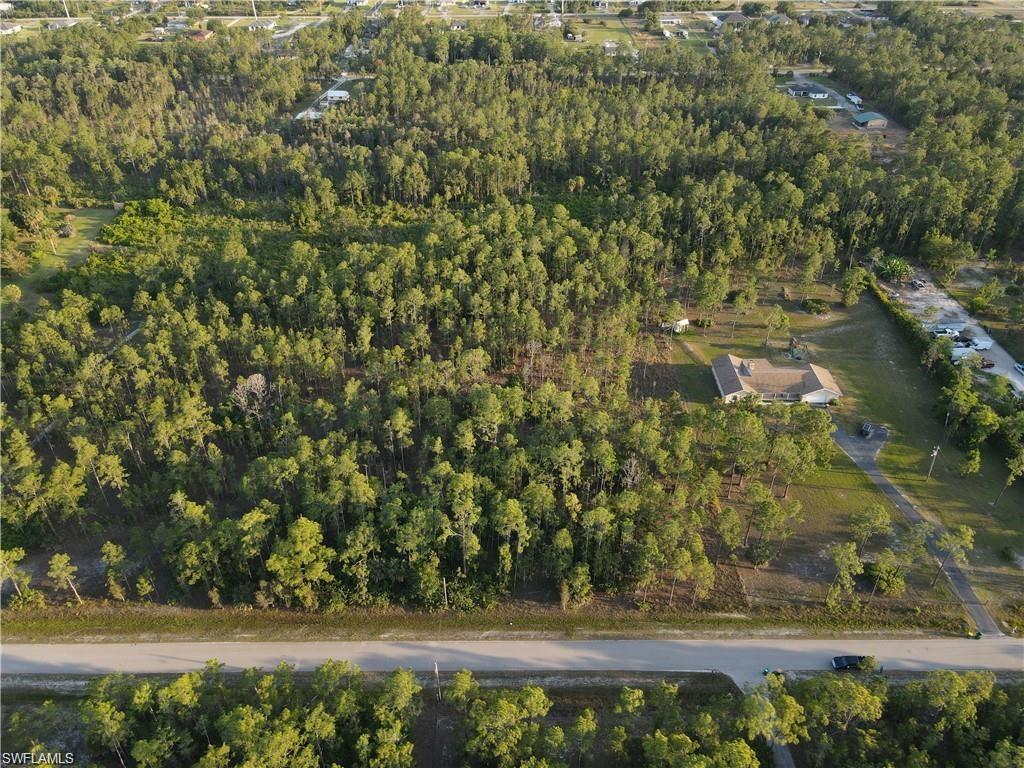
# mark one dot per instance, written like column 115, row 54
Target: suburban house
column 869, row 120
column 336, row 96
column 9, row 29
column 61, row 23
column 262, row 24
column 611, row 47
column 201, row 34
column 739, row 378
column 807, row 90
column 735, row 20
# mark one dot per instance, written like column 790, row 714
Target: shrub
column 760, row 553
column 816, row 306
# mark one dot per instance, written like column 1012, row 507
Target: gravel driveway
column 933, row 303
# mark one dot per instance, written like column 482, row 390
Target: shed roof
column 867, row 117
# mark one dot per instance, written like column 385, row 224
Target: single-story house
column 201, row 34
column 262, row 24
column 779, row 19
column 807, row 90
column 337, row 96
column 611, row 47
column 7, row 28
column 734, row 19
column 870, row 120
column 738, row 378
column 62, row 23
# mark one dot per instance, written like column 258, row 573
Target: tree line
column 334, row 716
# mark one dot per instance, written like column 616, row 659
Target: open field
column 883, row 382
column 69, row 250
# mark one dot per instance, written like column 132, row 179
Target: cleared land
column 65, row 251
column 883, row 382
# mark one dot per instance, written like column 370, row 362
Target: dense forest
column 334, row 716
column 389, row 356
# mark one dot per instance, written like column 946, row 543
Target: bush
column 894, row 269
column 760, row 553
column 816, row 306
column 1007, row 554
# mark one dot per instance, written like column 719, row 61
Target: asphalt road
column 864, row 453
column 741, row 659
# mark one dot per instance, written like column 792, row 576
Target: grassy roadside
column 151, row 623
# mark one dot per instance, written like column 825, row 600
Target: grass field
column 884, row 382
column 69, row 250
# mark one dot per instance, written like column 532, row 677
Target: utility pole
column 935, row 453
column 65, row 2
column 437, row 677
column 444, row 583
column 254, row 14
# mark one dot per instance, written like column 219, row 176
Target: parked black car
column 847, row 663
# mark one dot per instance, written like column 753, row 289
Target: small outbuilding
column 7, row 28
column 870, row 120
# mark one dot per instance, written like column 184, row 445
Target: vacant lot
column 62, row 251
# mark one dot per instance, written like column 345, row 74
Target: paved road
column 741, row 659
column 864, row 453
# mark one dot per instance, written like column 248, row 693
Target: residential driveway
column 864, row 453
column 932, row 303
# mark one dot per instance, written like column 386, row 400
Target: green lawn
column 69, row 250
column 883, row 381
column 598, row 32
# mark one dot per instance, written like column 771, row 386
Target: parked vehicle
column 962, row 353
column 866, row 429
column 918, row 284
column 949, row 323
column 986, row 363
column 981, row 344
column 854, row 99
column 1018, row 367
column 947, row 333
column 848, row 663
